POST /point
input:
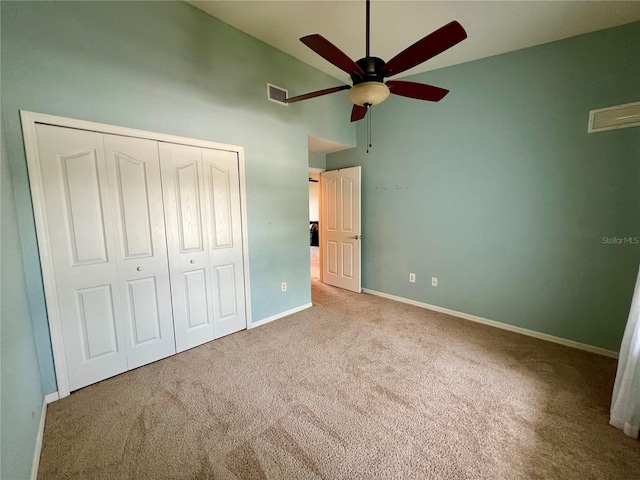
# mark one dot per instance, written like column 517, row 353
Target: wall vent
column 620, row 116
column 277, row 94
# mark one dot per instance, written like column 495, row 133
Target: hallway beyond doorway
column 315, row 265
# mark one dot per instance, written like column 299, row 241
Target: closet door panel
column 186, row 178
column 196, row 305
column 144, row 314
column 98, row 321
column 80, row 232
column 83, row 207
column 188, row 244
column 133, row 166
column 225, row 277
column 132, row 200
column 226, row 256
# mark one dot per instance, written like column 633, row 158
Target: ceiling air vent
column 277, row 94
column 620, row 116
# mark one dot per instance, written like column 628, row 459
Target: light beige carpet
column 356, row 387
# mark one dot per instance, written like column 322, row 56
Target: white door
column 106, row 227
column 80, row 230
column 340, row 228
column 187, row 243
column 202, row 211
column 133, row 169
column 225, row 249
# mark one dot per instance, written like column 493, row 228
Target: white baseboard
column 503, row 326
column 38, row 446
column 52, row 397
column 279, row 315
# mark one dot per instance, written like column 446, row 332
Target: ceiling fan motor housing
column 371, row 67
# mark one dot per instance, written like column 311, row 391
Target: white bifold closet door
column 106, row 231
column 133, row 171
column 202, row 210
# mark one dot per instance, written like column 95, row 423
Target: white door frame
column 29, row 121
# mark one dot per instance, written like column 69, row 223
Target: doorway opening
column 314, row 222
column 318, row 149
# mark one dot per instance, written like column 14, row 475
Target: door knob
column 139, row 269
column 358, row 237
column 192, row 261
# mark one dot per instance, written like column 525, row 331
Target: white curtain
column 625, row 403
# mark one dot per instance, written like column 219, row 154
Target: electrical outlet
column 284, row 286
column 412, row 277
column 434, row 281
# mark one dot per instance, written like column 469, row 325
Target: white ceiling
column 493, row 27
column 322, row 145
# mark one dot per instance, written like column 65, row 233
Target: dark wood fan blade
column 332, row 54
column 358, row 113
column 317, row 93
column 421, row 51
column 420, row 91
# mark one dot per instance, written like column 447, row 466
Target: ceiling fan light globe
column 368, row 93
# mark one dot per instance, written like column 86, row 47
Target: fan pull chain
column 368, row 127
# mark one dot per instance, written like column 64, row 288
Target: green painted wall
column 499, row 191
column 318, row 160
column 21, row 394
column 168, row 67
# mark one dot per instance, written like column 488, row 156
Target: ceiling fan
column 368, row 73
